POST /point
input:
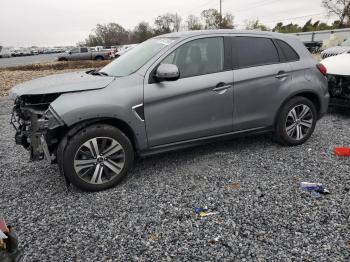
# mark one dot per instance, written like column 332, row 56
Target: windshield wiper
column 96, row 73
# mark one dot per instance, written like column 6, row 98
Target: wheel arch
column 99, row 57
column 115, row 122
column 309, row 94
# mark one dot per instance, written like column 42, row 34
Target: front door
column 197, row 105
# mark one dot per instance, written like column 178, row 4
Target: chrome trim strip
column 135, row 113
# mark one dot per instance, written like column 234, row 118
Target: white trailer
column 5, row 52
column 319, row 36
column 314, row 39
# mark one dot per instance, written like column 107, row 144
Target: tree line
column 114, row 34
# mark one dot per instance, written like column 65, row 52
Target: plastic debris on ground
column 153, row 237
column 234, row 186
column 203, row 212
column 342, row 151
column 316, row 189
column 347, row 243
column 214, row 241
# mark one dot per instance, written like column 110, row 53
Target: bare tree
column 108, row 35
column 193, row 23
column 142, row 32
column 213, row 19
column 255, row 24
column 227, row 21
column 167, row 23
column 210, row 17
column 340, row 8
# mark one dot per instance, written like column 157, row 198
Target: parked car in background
column 338, row 74
column 84, row 53
column 171, row 91
column 5, row 52
column 332, row 51
column 122, row 50
column 21, row 52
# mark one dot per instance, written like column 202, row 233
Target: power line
column 297, row 17
column 200, row 6
column 263, row 3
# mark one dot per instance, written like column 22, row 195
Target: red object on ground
column 342, row 151
column 3, row 226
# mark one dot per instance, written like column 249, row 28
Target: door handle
column 281, row 74
column 221, row 87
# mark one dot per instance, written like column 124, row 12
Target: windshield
column 134, row 59
column 346, row 43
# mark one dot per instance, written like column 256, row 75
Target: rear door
column 199, row 104
column 260, row 77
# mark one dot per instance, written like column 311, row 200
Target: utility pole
column 220, row 13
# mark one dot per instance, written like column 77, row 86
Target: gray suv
column 170, row 92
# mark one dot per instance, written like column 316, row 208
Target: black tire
column 62, row 59
column 74, row 144
column 281, row 134
column 99, row 58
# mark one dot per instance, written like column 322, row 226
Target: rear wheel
column 99, row 58
column 296, row 121
column 97, row 157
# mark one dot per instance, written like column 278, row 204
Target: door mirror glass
column 167, row 72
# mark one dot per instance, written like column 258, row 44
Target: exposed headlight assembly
column 50, row 120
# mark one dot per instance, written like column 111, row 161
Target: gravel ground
column 252, row 183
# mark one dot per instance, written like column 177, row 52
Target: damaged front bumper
column 36, row 125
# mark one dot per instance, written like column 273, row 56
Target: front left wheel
column 97, row 157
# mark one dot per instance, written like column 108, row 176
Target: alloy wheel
column 299, row 122
column 99, row 160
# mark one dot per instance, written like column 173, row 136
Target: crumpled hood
column 61, row 83
column 338, row 65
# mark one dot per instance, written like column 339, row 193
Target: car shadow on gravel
column 339, row 111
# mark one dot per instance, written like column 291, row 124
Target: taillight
column 322, row 69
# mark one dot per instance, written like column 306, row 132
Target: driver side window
column 198, row 57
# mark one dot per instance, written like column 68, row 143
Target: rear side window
column 84, row 50
column 255, row 51
column 289, row 53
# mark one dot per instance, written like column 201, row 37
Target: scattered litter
column 214, row 241
column 259, row 193
column 2, row 235
column 153, row 237
column 316, row 189
column 200, row 209
column 342, row 151
column 347, row 243
column 203, row 212
column 234, row 186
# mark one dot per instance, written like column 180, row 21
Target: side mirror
column 167, row 72
column 70, row 52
